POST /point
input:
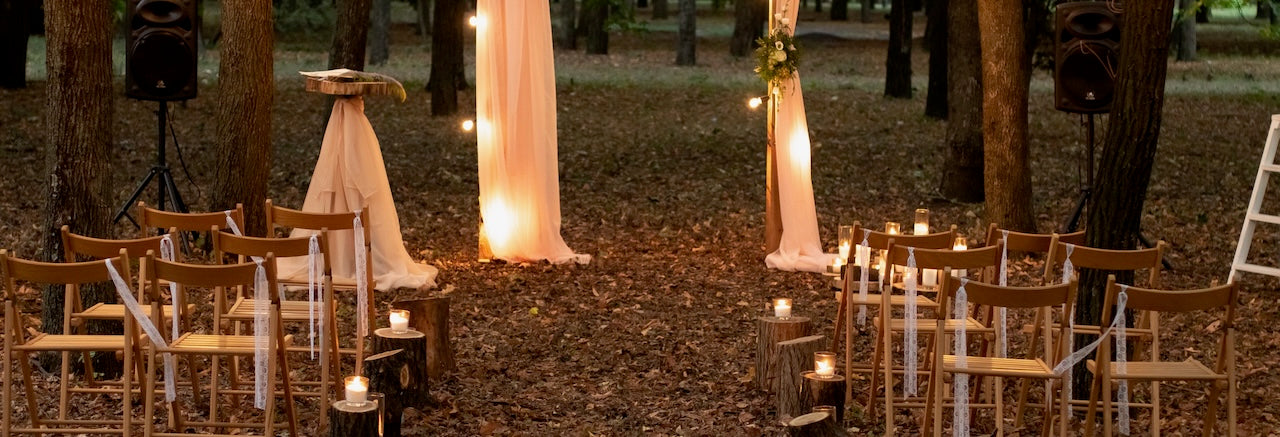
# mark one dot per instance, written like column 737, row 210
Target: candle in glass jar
column 782, row 308
column 836, row 264
column 846, row 241
column 960, row 244
column 892, row 228
column 357, row 389
column 399, row 321
column 930, row 277
column 921, row 222
column 824, row 364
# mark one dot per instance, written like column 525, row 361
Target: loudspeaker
column 161, row 50
column 1087, row 38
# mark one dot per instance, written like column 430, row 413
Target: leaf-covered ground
column 662, row 182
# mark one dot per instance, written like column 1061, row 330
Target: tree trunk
column 568, row 37
column 410, row 384
column 840, row 10
column 1185, row 32
column 687, row 44
column 748, row 24
column 717, row 5
column 794, row 359
column 897, row 82
column 353, row 421
column 1263, row 11
column 78, row 125
column 935, row 104
column 380, row 32
column 867, row 8
column 1007, row 180
column 246, row 89
column 817, row 6
column 350, row 34
column 815, row 425
column 769, row 332
column 431, row 317
column 13, row 43
column 424, row 18
column 1203, row 13
column 595, row 18
column 660, row 9
column 1128, row 150
column 962, row 176
column 446, row 57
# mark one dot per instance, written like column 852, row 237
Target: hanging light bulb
column 474, row 21
column 468, row 125
column 754, row 102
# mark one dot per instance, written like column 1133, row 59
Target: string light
column 468, row 125
column 474, row 21
column 754, row 102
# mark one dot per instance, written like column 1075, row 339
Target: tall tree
column 748, row 24
column 568, row 37
column 79, row 110
column 1007, row 175
column 687, row 44
column 424, row 18
column 350, row 35
column 660, row 9
column 380, row 32
column 446, row 57
column 13, row 42
column 1128, row 149
column 935, row 104
column 897, row 81
column 962, row 175
column 1185, row 30
column 595, row 22
column 867, row 7
column 246, row 89
column 839, row 10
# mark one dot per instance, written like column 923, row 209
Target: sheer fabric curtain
column 516, row 132
column 800, row 248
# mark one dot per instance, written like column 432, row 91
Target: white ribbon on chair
column 167, row 253
column 1069, row 270
column 1002, row 313
column 362, row 277
column 261, row 336
column 909, row 351
column 960, row 416
column 315, row 278
column 231, row 224
column 1117, row 325
column 149, row 327
column 864, row 266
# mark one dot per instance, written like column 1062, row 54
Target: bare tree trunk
column 1007, row 179
column 867, row 8
column 1185, row 32
column 839, row 10
column 962, row 177
column 424, row 18
column 935, row 104
column 660, row 9
column 446, row 57
column 595, row 18
column 568, row 38
column 1128, row 150
column 380, row 32
column 351, row 32
column 897, row 82
column 13, row 43
column 717, row 5
column 246, row 90
column 687, row 46
column 748, row 24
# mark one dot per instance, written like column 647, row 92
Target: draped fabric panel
column 516, row 132
column 800, row 248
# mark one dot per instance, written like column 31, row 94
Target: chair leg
column 1155, row 408
column 1064, row 408
column 1091, row 415
column 887, row 365
column 127, row 383
column 1211, row 413
column 269, row 414
column 875, row 374
column 215, row 366
column 285, row 380
column 1231, row 400
column 999, row 416
column 149, row 394
column 64, row 388
column 1024, row 384
column 24, row 363
column 1046, row 425
column 1106, row 402
column 6, row 423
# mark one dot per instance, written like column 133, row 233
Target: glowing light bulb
column 468, row 125
column 754, row 102
column 473, row 21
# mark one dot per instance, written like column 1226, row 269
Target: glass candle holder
column 846, row 241
column 399, row 321
column 824, row 364
column 357, row 389
column 922, row 222
column 782, row 308
column 892, row 228
column 960, row 244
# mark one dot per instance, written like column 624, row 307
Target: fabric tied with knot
column 864, row 265
column 148, row 327
column 1118, row 326
column 167, row 253
column 261, row 336
column 1068, row 270
column 362, row 276
column 960, row 417
column 315, row 279
column 1002, row 313
column 909, row 351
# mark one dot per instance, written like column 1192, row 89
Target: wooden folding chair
column 1152, row 302
column 1042, row 298
column 1029, row 243
column 189, row 343
column 189, row 224
column 72, row 275
column 978, row 262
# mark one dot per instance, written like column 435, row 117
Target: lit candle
column 845, row 248
column 930, row 277
column 881, row 267
column 922, row 222
column 399, row 321
column 892, row 228
column 846, row 241
column 824, row 364
column 782, row 308
column 836, row 264
column 960, row 244
column 357, row 389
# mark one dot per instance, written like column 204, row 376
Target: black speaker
column 161, row 50
column 1087, row 39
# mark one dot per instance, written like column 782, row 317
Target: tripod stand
column 168, row 189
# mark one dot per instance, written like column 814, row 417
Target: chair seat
column 1010, row 367
column 105, row 311
column 1089, row 330
column 75, row 342
column 209, row 343
column 300, row 281
column 290, row 310
column 930, row 325
column 895, row 300
column 1163, row 370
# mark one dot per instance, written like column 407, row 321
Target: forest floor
column 662, row 182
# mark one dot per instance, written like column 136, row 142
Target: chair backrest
column 225, row 243
column 1025, row 242
column 880, row 240
column 980, row 258
column 75, row 245
column 296, row 219
column 1044, row 298
column 69, row 273
column 1108, row 259
column 151, row 218
column 1149, row 302
column 199, row 275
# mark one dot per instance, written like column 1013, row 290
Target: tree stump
column 386, row 371
column 430, row 316
column 794, row 358
column 815, row 425
column 353, row 420
column 770, row 331
column 816, row 390
column 405, row 372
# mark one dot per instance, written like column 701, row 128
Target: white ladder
column 1254, row 214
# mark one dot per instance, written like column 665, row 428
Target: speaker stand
column 168, row 189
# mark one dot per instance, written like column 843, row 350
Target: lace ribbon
column 167, row 253
column 261, row 336
column 315, row 273
column 1002, row 313
column 231, row 224
column 362, row 280
column 1068, row 270
column 1117, row 325
column 960, row 417
column 149, row 327
column 864, row 265
column 909, row 351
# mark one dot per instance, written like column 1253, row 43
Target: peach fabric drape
column 800, row 248
column 350, row 175
column 516, row 132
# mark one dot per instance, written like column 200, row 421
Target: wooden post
column 430, row 316
column 815, row 425
column 410, row 386
column 794, row 358
column 773, row 207
column 816, row 390
column 353, row 420
column 384, row 371
column 770, row 331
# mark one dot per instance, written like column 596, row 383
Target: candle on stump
column 399, row 321
column 357, row 389
column 824, row 364
column 782, row 308
column 922, row 222
column 960, row 244
column 836, row 264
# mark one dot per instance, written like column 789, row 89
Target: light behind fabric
column 516, row 132
column 800, row 248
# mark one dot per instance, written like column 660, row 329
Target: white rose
column 779, row 56
column 784, row 21
column 777, row 45
column 792, row 47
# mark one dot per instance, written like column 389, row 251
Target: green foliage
column 306, row 17
column 777, row 57
column 622, row 17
